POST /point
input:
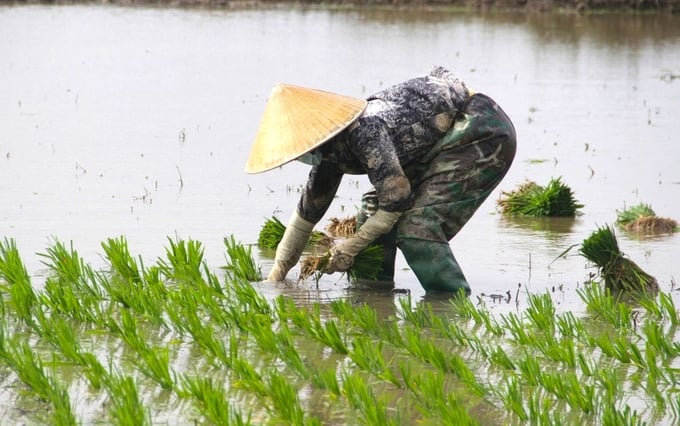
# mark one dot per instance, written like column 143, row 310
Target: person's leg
column 450, row 183
column 388, row 242
column 434, row 265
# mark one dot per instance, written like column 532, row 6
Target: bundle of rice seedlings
column 530, row 199
column 367, row 264
column 618, row 272
column 272, row 232
column 642, row 219
column 342, row 228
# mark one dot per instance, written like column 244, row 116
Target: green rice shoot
column 272, row 232
column 418, row 365
column 367, row 264
column 619, row 273
column 531, row 199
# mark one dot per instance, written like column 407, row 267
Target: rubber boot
column 385, row 278
column 434, row 265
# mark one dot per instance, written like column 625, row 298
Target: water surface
column 138, row 122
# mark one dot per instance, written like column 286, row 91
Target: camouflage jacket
column 400, row 125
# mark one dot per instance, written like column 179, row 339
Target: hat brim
column 297, row 120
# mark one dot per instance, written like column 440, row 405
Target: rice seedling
column 329, row 334
column 249, row 299
column 135, row 295
column 25, row 363
column 327, row 379
column 513, row 398
column 568, row 387
column 512, row 323
column 18, row 282
column 499, row 357
column 661, row 309
column 184, row 261
column 530, row 370
column 61, row 335
column 367, row 354
column 271, row 233
column 286, row 401
column 541, row 312
column 541, row 411
column 453, row 368
column 587, row 366
column 531, row 199
column 94, row 371
column 126, row 406
column 432, row 399
column 619, row 273
column 655, row 336
column 273, row 229
column 429, row 352
column 184, row 316
column 360, row 396
column 568, row 326
column 152, row 362
column 642, row 219
column 367, row 264
column 66, row 300
column 562, row 351
column 72, row 288
column 465, row 308
column 601, row 302
column 213, row 401
column 610, row 383
column 612, row 416
column 249, row 379
column 290, row 355
column 668, row 308
column 240, row 262
column 418, row 317
column 120, row 259
column 455, row 333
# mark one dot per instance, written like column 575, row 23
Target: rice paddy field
column 131, row 278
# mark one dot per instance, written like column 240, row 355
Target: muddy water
column 138, row 122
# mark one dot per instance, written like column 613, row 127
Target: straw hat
column 295, row 121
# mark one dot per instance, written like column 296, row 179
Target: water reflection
column 553, row 228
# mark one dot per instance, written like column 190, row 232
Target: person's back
column 415, row 114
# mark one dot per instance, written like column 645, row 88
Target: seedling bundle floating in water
column 531, row 199
column 618, row 272
column 642, row 219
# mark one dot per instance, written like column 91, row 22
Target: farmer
column 432, row 149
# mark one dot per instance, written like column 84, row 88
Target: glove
column 342, row 256
column 290, row 248
column 338, row 262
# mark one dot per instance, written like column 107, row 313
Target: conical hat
column 297, row 120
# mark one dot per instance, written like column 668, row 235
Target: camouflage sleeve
column 317, row 195
column 378, row 156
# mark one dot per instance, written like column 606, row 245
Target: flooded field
column 137, row 122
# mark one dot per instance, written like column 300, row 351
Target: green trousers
column 449, row 184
